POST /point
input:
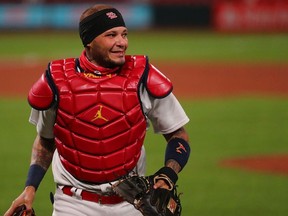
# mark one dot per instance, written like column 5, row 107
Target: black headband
column 99, row 22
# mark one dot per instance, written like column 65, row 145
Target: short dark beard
column 107, row 63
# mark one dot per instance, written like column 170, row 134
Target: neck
column 89, row 66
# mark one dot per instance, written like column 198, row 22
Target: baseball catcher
column 91, row 114
column 139, row 191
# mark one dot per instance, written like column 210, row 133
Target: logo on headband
column 111, row 15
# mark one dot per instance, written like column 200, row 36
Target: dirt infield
column 195, row 80
column 192, row 81
column 272, row 164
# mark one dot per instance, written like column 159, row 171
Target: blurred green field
column 219, row 128
column 159, row 45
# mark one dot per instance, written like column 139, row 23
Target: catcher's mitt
column 139, row 192
column 22, row 211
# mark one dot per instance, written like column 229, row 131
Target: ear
column 88, row 47
column 88, row 50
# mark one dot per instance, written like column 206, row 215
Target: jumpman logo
column 98, row 115
column 180, row 147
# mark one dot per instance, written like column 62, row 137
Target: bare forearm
column 180, row 133
column 42, row 152
column 173, row 165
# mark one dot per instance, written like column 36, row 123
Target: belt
column 94, row 197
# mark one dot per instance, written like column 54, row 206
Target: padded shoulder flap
column 157, row 84
column 41, row 96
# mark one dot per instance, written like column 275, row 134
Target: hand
column 161, row 184
column 164, row 178
column 26, row 198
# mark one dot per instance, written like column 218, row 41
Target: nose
column 121, row 41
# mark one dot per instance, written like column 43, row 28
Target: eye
column 124, row 35
column 111, row 35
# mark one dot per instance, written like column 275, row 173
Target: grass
column 167, row 45
column 199, row 46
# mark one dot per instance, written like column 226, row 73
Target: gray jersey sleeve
column 44, row 122
column 166, row 114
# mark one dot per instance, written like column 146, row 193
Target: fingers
column 26, row 198
column 160, row 184
column 15, row 204
column 9, row 212
column 19, row 210
column 29, row 212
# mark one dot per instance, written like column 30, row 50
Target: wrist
column 177, row 150
column 35, row 176
column 169, row 172
column 173, row 165
column 30, row 191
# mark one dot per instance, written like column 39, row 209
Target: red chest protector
column 100, row 126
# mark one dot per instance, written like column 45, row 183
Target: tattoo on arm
column 174, row 165
column 180, row 133
column 42, row 152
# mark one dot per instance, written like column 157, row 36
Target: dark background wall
column 220, row 15
column 191, row 15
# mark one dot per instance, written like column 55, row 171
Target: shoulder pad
column 41, row 96
column 157, row 84
column 135, row 61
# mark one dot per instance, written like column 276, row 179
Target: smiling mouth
column 119, row 53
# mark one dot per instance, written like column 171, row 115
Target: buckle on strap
column 76, row 192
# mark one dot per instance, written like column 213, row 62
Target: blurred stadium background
column 251, row 34
column 223, row 15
